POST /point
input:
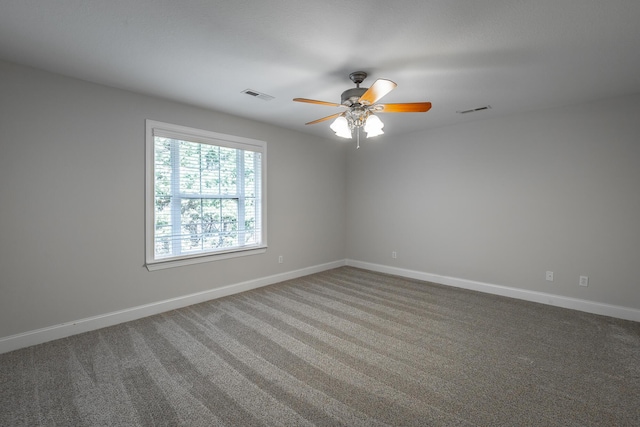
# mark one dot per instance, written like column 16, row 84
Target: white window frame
column 156, row 128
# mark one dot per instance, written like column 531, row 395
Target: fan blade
column 407, row 107
column 333, row 116
column 313, row 101
column 378, row 89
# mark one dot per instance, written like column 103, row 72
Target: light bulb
column 341, row 127
column 373, row 126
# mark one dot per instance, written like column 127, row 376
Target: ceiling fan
column 361, row 108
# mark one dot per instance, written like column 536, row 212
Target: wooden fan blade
column 378, row 89
column 313, row 101
column 407, row 107
column 333, row 116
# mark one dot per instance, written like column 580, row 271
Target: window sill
column 180, row 262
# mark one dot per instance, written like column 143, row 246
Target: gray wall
column 497, row 201
column 501, row 201
column 72, row 201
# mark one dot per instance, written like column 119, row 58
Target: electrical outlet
column 394, row 254
column 280, row 259
column 549, row 276
column 584, row 281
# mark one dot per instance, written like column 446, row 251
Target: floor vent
column 257, row 94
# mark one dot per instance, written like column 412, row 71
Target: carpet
column 345, row 347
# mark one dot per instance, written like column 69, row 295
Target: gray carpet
column 343, row 347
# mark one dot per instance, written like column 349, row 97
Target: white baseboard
column 63, row 330
column 50, row 333
column 533, row 296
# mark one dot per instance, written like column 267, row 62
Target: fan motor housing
column 351, row 96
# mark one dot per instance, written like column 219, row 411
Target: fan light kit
column 361, row 108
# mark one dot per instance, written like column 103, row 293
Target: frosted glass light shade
column 341, row 127
column 373, row 126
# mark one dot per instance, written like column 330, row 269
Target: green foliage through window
column 207, row 198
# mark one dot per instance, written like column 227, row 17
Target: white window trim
column 154, row 128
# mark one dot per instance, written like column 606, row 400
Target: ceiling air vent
column 257, row 94
column 473, row 110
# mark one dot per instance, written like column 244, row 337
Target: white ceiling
column 515, row 55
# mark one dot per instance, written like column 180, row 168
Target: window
column 205, row 195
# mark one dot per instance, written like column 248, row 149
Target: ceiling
column 515, row 56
